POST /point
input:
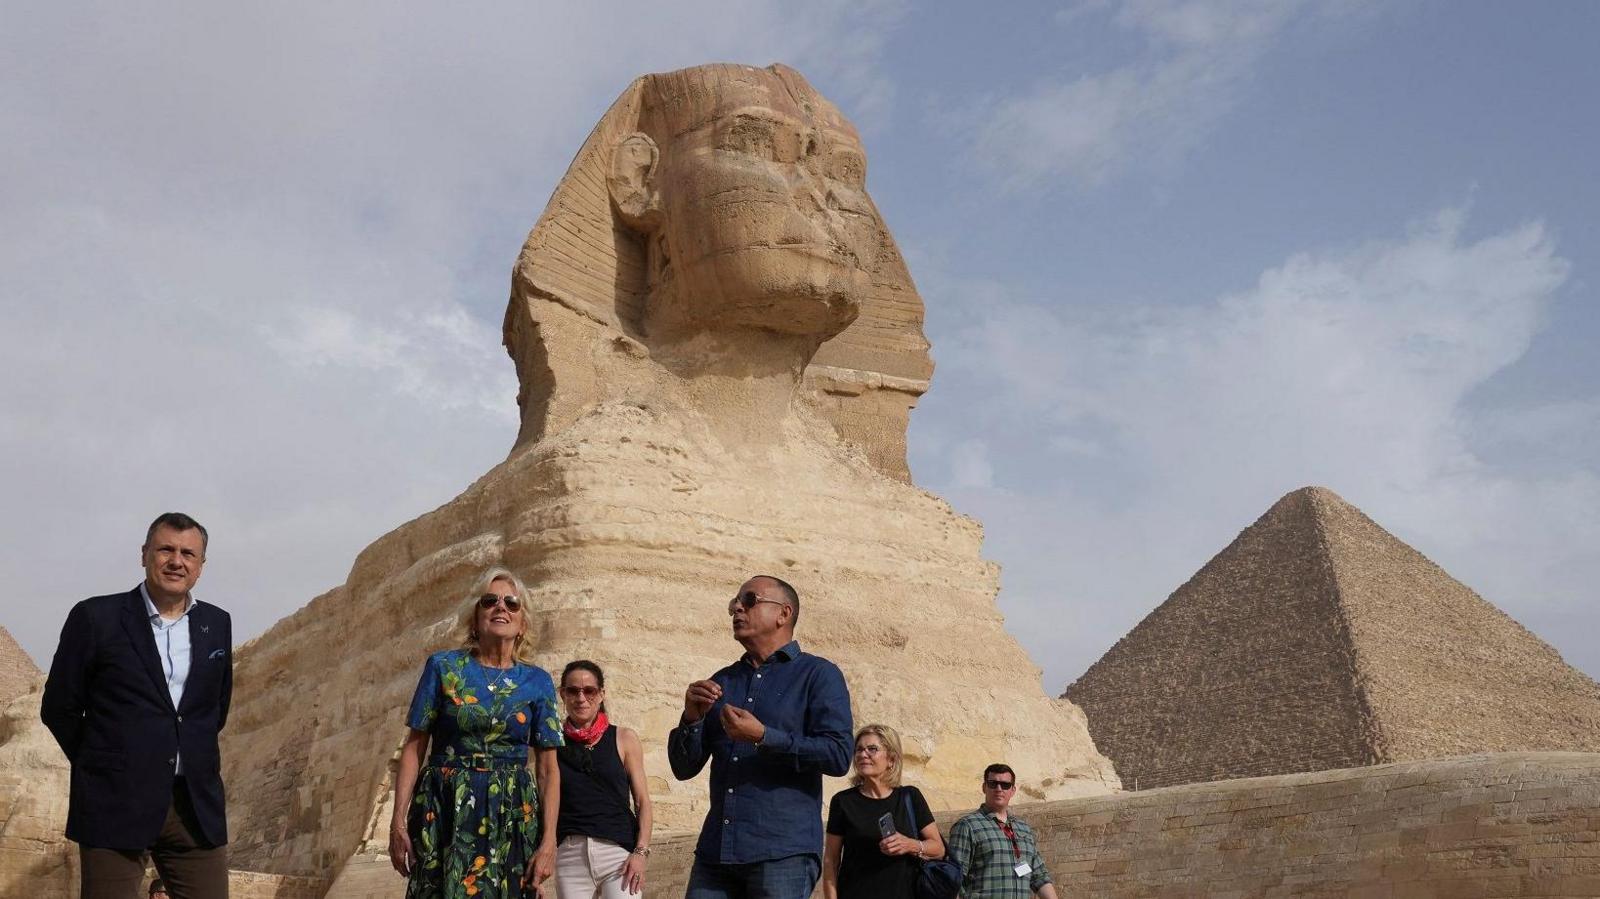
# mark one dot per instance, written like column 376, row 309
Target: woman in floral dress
column 468, row 821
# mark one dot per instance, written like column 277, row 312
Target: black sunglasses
column 748, row 600
column 1001, row 785
column 488, row 601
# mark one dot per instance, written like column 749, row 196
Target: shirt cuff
column 774, row 740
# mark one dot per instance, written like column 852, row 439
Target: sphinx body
column 718, row 347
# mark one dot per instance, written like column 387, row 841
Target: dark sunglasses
column 489, row 600
column 748, row 599
column 1001, row 785
column 589, row 692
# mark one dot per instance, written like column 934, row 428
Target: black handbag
column 937, row 878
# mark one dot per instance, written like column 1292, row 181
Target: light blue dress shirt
column 172, row 645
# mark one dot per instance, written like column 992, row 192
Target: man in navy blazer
column 137, row 693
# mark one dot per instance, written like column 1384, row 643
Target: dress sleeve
column 545, row 730
column 425, row 702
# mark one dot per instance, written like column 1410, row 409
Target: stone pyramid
column 18, row 673
column 1318, row 640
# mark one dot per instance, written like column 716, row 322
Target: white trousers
column 589, row 868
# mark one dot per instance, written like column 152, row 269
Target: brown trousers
column 191, row 869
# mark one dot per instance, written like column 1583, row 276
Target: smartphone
column 886, row 825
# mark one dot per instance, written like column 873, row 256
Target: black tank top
column 594, row 793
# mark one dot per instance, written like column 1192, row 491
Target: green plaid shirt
column 988, row 861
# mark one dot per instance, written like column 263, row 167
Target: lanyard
column 1005, row 827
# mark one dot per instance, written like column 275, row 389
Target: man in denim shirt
column 771, row 724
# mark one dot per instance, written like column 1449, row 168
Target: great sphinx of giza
column 718, row 346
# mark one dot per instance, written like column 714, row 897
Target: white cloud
column 1154, row 435
column 1199, row 57
column 440, row 357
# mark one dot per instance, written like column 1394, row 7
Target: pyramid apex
column 1315, row 493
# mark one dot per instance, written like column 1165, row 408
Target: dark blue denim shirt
column 766, row 801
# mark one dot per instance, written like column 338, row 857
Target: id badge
column 1023, row 869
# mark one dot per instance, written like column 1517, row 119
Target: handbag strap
column 911, row 812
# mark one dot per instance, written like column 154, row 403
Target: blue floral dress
column 474, row 818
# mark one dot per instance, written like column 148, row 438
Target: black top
column 595, row 799
column 864, row 871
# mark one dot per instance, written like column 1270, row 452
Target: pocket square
column 219, row 653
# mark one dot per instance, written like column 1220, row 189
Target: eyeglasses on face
column 1001, row 785
column 747, row 601
column 575, row 691
column 870, row 750
column 490, row 600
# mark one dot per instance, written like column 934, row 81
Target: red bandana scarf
column 588, row 736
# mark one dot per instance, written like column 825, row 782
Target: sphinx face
column 765, row 217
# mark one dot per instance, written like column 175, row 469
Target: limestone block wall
column 1503, row 825
column 1514, row 824
column 1506, row 825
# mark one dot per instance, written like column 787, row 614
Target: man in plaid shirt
column 998, row 854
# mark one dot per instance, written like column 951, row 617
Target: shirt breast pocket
column 777, row 709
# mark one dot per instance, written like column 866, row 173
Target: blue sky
column 1179, row 258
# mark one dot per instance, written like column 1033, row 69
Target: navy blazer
column 106, row 701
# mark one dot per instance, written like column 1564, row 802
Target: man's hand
column 741, row 725
column 698, row 700
column 400, row 849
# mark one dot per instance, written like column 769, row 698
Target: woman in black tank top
column 604, row 824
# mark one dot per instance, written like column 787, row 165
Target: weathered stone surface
column 1317, row 640
column 35, row 858
column 681, row 430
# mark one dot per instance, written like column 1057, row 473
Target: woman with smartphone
column 867, row 853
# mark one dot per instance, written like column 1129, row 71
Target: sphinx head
column 749, row 191
column 714, row 225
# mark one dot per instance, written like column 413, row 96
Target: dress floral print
column 474, row 819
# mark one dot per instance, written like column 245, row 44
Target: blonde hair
column 891, row 744
column 522, row 648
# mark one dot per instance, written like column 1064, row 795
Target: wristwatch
column 642, row 851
